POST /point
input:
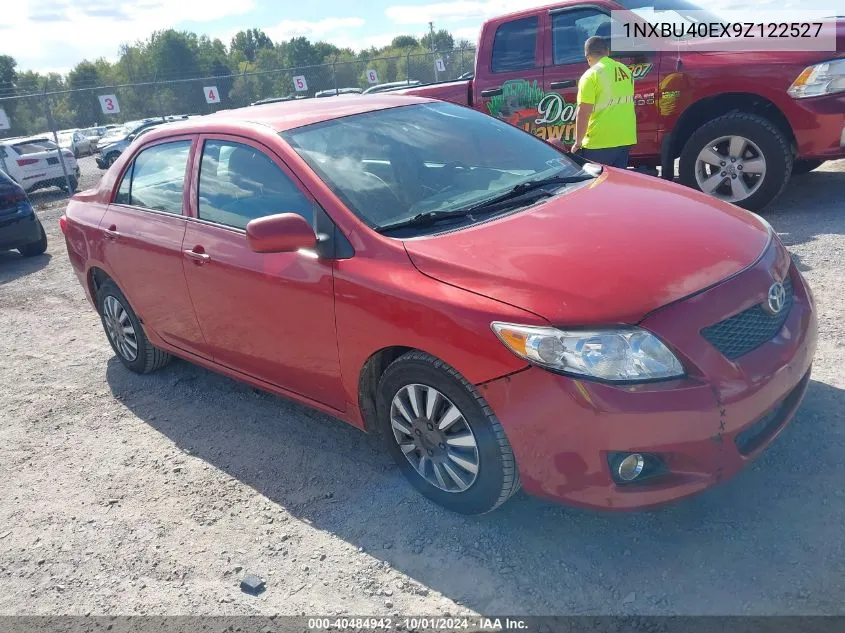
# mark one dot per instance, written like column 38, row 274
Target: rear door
column 511, row 85
column 142, row 233
column 565, row 63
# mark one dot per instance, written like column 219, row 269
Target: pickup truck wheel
column 739, row 158
column 443, row 435
column 805, row 166
column 125, row 333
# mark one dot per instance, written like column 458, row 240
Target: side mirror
column 282, row 233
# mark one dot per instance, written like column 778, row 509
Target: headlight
column 619, row 355
column 822, row 79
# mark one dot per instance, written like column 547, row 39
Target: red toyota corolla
column 501, row 315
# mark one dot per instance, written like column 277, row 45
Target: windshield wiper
column 487, row 206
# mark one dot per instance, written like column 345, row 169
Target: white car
column 33, row 163
column 76, row 142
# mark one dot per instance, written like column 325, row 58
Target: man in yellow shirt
column 605, row 120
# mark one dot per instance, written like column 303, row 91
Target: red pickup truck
column 740, row 123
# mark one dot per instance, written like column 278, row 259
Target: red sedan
column 502, row 315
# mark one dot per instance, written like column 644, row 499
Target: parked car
column 33, row 163
column 741, row 124
column 391, row 86
column 76, row 142
column 500, row 313
column 20, row 228
column 113, row 144
column 93, row 135
column 338, row 91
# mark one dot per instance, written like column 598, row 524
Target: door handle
column 200, row 258
column 111, row 232
column 492, row 92
column 566, row 83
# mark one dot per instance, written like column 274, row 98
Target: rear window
column 515, row 45
column 33, row 147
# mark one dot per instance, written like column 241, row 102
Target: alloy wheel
column 435, row 437
column 120, row 329
column 731, row 168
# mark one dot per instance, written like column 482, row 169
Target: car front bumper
column 819, row 126
column 702, row 428
column 19, row 229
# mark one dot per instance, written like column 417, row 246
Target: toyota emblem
column 776, row 298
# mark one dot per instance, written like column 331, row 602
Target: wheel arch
column 368, row 379
column 712, row 107
column 95, row 278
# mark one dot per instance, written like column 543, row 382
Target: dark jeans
column 613, row 156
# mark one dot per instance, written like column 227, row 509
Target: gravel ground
column 125, row 494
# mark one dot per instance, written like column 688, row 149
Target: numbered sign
column 440, row 65
column 4, row 120
column 372, row 76
column 211, row 94
column 109, row 104
column 300, row 84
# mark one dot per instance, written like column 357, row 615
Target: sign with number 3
column 109, row 104
column 211, row 94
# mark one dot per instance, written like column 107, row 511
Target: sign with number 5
column 300, row 84
column 372, row 76
column 211, row 94
column 109, row 104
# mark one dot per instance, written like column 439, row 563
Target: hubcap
column 730, row 168
column 435, row 437
column 119, row 328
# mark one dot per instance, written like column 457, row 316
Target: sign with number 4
column 109, row 104
column 440, row 65
column 372, row 76
column 4, row 120
column 211, row 94
column 300, row 84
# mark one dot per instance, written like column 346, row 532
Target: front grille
column 748, row 330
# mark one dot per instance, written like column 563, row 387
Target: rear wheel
column 444, row 437
column 125, row 334
column 74, row 184
column 739, row 158
column 805, row 166
column 35, row 248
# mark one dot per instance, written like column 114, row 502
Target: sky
column 54, row 35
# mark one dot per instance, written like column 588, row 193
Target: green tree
column 84, row 103
column 404, row 41
column 443, row 41
column 250, row 42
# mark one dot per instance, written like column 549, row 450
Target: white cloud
column 315, row 30
column 45, row 33
column 457, row 11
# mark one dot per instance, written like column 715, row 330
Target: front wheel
column 125, row 334
column 739, row 158
column 444, row 437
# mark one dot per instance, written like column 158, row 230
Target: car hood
column 609, row 252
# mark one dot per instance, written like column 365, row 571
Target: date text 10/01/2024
column 419, row 623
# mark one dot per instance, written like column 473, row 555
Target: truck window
column 570, row 29
column 515, row 45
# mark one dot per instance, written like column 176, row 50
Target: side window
column 156, row 179
column 515, row 45
column 571, row 29
column 238, row 183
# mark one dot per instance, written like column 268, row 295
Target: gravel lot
column 125, row 494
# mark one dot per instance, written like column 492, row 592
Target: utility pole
column 434, row 51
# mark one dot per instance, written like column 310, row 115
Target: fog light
column 631, row 467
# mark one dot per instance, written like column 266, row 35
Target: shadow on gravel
column 43, row 197
column 769, row 541
column 14, row 265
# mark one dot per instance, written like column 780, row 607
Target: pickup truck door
column 570, row 27
column 509, row 79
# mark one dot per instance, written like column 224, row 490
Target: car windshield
column 680, row 12
column 389, row 166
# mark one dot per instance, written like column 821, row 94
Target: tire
column 496, row 478
column 763, row 135
column 805, row 165
column 110, row 158
column 75, row 152
column 146, row 358
column 35, row 248
column 74, row 185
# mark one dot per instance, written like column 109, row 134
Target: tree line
column 175, row 65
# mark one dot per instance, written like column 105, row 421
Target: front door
column 565, row 63
column 143, row 230
column 268, row 315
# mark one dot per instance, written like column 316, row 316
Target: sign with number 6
column 372, row 76
column 211, row 94
column 109, row 104
column 300, row 84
